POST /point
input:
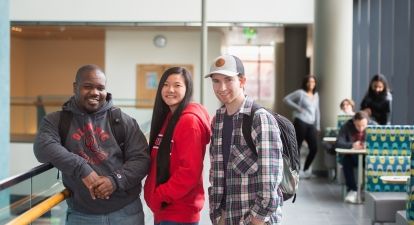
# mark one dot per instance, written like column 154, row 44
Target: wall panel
column 383, row 43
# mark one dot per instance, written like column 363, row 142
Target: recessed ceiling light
column 17, row 29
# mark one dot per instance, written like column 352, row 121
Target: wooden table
column 394, row 179
column 360, row 153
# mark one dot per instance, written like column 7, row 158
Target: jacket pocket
column 244, row 161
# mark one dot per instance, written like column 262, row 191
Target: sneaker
column 351, row 197
column 305, row 174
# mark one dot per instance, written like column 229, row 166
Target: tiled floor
column 319, row 202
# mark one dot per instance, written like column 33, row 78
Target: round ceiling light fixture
column 160, row 41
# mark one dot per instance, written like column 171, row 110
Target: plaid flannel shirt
column 252, row 180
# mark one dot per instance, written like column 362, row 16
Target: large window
column 260, row 70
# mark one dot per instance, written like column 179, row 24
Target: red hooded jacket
column 183, row 193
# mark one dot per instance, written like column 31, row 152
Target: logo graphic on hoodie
column 89, row 139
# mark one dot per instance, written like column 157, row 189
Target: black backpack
column 115, row 121
column 291, row 158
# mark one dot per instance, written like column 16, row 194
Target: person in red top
column 180, row 131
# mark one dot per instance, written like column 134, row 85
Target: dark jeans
column 174, row 223
column 349, row 162
column 308, row 133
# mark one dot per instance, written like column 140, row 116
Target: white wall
column 125, row 49
column 22, row 158
column 277, row 11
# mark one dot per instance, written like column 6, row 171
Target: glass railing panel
column 15, row 201
column 46, row 184
column 19, row 198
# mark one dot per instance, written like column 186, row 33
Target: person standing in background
column 306, row 115
column 180, row 131
column 377, row 102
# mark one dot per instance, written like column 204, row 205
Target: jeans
column 349, row 162
column 174, row 223
column 131, row 214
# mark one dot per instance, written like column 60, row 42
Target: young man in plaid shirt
column 244, row 185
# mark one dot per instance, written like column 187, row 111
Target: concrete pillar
column 4, row 93
column 333, row 55
column 332, row 62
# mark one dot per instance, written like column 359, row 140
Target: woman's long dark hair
column 159, row 114
column 305, row 82
column 381, row 78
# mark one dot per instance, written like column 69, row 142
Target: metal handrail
column 30, row 199
column 11, row 181
column 40, row 209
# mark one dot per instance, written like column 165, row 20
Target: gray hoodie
column 91, row 146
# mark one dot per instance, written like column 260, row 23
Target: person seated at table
column 352, row 136
column 347, row 107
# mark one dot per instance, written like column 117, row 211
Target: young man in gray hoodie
column 103, row 178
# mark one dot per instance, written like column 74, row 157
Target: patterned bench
column 388, row 154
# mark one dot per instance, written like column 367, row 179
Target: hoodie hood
column 72, row 105
column 201, row 113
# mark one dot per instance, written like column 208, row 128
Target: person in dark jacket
column 352, row 136
column 104, row 180
column 378, row 100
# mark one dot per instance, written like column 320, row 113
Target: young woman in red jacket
column 180, row 131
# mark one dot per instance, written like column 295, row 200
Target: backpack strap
column 117, row 126
column 64, row 125
column 247, row 127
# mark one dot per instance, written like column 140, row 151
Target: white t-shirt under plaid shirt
column 252, row 180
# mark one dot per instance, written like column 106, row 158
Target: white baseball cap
column 228, row 65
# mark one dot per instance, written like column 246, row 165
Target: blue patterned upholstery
column 377, row 166
column 341, row 120
column 388, row 149
column 389, row 140
column 410, row 189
